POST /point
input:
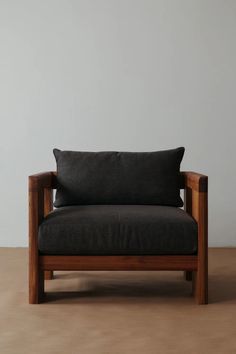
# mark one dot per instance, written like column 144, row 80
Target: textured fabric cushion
column 118, row 177
column 118, row 229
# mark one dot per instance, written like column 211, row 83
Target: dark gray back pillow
column 111, row 177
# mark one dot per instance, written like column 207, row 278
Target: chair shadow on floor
column 110, row 285
column 85, row 286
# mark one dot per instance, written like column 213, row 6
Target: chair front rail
column 162, row 262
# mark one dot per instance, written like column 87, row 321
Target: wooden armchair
column 42, row 266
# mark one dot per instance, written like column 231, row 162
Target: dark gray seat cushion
column 118, row 230
column 118, row 177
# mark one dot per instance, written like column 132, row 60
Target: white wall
column 117, row 75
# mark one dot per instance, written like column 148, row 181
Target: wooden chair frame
column 41, row 267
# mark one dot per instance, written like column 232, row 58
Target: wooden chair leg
column 188, row 275
column 194, row 283
column 41, row 286
column 36, row 286
column 48, row 274
column 200, row 287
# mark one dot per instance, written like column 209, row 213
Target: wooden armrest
column 196, row 204
column 40, row 204
column 42, row 180
column 40, row 196
column 195, row 181
column 196, row 194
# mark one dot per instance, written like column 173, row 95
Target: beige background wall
column 117, row 75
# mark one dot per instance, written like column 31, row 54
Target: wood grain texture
column 195, row 181
column 201, row 279
column 41, row 180
column 48, row 274
column 48, row 201
column 196, row 204
column 40, row 204
column 36, row 212
column 118, row 262
column 48, row 206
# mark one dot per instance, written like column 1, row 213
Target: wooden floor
column 117, row 312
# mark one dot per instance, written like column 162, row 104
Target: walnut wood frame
column 41, row 267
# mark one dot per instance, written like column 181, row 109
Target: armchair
column 42, row 265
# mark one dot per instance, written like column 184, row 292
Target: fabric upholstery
column 118, row 229
column 118, row 177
